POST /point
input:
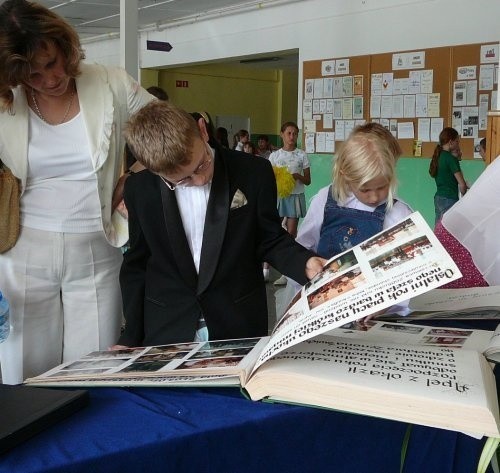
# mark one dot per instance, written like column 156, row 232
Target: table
column 217, row 430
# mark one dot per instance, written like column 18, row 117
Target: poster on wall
column 328, row 68
column 459, row 94
column 414, row 60
column 489, row 53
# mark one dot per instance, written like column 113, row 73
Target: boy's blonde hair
column 161, row 136
column 370, row 152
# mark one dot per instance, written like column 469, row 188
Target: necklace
column 39, row 113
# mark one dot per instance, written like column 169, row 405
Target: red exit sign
column 182, row 83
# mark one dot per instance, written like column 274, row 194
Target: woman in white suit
column 61, row 135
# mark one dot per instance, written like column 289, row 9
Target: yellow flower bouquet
column 284, row 181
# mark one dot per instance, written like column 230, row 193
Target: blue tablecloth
column 218, row 431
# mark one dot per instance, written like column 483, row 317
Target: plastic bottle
column 4, row 318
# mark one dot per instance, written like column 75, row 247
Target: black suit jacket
column 163, row 295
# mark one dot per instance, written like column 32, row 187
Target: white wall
column 319, row 29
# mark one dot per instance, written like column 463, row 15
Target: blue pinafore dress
column 344, row 228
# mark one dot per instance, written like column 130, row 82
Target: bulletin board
column 436, row 60
column 479, row 98
column 446, row 76
column 357, row 67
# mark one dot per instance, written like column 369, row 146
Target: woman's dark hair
column 25, row 27
column 222, row 136
column 158, row 92
column 209, row 125
column 447, row 134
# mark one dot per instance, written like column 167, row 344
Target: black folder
column 25, row 411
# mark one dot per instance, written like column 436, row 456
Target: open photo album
column 319, row 354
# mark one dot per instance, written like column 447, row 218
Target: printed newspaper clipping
column 393, row 266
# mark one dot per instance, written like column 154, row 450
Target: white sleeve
column 309, row 229
column 399, row 211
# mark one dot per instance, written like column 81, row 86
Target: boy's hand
column 118, row 347
column 314, row 266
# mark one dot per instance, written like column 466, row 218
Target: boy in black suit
column 201, row 222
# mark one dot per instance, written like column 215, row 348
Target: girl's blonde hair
column 370, row 152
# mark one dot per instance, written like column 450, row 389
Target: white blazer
column 107, row 96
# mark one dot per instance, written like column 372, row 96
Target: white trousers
column 64, row 297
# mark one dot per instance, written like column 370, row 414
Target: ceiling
column 95, row 18
column 102, row 17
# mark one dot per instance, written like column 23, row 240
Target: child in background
column 293, row 207
column 482, row 149
column 249, row 148
column 240, row 138
column 445, row 169
column 359, row 203
column 264, row 148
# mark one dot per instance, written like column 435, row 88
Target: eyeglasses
column 185, row 181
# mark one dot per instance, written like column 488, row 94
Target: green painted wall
column 416, row 187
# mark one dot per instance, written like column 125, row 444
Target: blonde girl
column 361, row 201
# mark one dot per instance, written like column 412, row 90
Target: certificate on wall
column 307, row 109
column 471, row 92
column 318, row 88
column 347, row 107
column 328, row 121
column 357, row 107
column 320, row 142
column 309, row 126
column 409, row 106
column 433, row 101
column 328, row 87
column 406, row 131
column 330, row 142
column 340, row 130
column 489, row 53
column 466, row 72
column 358, row 85
column 376, row 84
column 483, row 112
column 309, row 139
column 386, row 106
column 328, row 68
column 486, row 76
column 460, row 94
column 342, row 66
column 308, row 88
column 424, row 128
column 421, row 105
column 375, row 104
column 426, row 81
column 456, row 119
column 397, row 106
column 437, row 125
